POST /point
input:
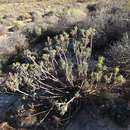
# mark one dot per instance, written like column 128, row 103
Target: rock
column 7, row 104
column 86, row 121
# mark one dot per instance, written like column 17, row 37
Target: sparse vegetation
column 80, row 53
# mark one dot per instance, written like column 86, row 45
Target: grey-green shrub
column 119, row 54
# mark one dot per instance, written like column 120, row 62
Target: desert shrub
column 58, row 75
column 110, row 28
column 111, row 21
column 119, row 53
column 13, row 42
column 18, row 40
